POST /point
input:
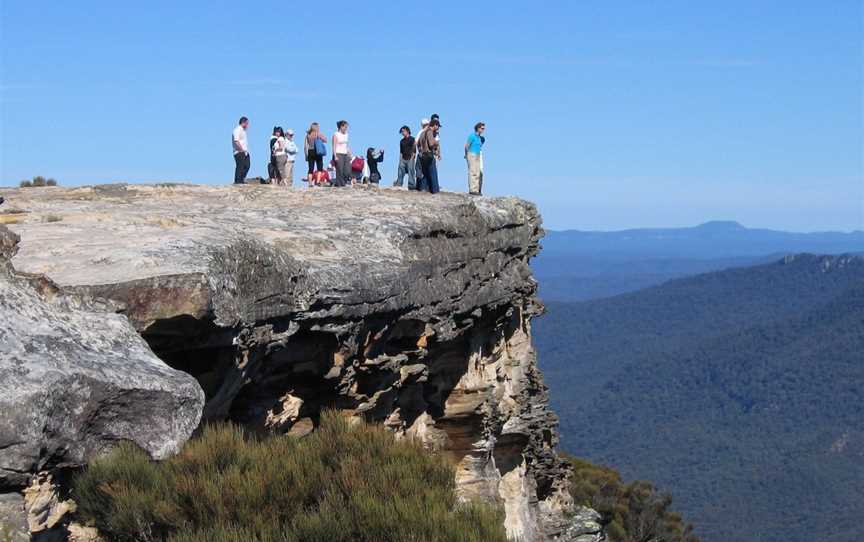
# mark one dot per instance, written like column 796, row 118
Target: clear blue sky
column 608, row 114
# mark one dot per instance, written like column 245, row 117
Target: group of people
column 418, row 157
column 344, row 168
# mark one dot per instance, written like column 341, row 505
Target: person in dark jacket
column 272, row 169
column 373, row 158
column 407, row 154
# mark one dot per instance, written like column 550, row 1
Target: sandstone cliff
column 409, row 309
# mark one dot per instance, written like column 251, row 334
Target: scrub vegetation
column 36, row 182
column 344, row 482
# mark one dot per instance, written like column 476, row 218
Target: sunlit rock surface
column 76, row 379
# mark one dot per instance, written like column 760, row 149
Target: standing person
column 418, row 169
column 437, row 138
column 407, row 154
column 474, row 157
column 373, row 158
column 342, row 154
column 429, row 152
column 241, row 151
column 280, row 157
column 311, row 146
column 290, row 156
column 272, row 169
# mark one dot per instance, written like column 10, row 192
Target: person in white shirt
column 290, row 155
column 241, row 151
column 342, row 154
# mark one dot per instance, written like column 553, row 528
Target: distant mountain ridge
column 579, row 265
column 715, row 239
column 739, row 390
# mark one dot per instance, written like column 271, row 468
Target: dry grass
column 343, row 483
column 11, row 218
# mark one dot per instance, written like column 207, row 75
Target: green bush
column 632, row 512
column 37, row 181
column 342, row 483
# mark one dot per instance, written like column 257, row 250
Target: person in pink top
column 342, row 154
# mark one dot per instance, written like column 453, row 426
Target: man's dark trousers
column 241, row 167
column 429, row 182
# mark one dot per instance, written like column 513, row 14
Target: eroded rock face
column 405, row 308
column 13, row 518
column 76, row 379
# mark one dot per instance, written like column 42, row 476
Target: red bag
column 357, row 164
column 320, row 177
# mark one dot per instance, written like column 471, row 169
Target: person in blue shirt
column 474, row 157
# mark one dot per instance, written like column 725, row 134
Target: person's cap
column 424, row 121
column 289, row 131
column 435, row 116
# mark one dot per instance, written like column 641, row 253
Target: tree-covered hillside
column 741, row 391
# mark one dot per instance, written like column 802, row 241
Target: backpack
column 357, row 164
column 320, row 148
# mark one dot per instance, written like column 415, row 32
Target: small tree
column 25, row 184
column 634, row 512
column 39, row 181
column 51, row 182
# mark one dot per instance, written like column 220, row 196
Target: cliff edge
column 408, row 309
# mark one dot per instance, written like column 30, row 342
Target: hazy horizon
column 686, row 226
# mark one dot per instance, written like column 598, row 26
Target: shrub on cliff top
column 37, row 181
column 342, row 483
column 632, row 512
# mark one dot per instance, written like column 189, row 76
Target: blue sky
column 609, row 114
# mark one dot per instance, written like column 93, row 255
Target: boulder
column 76, row 379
